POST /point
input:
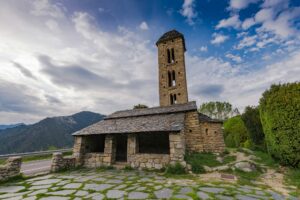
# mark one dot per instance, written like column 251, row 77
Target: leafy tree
column 280, row 116
column 218, row 110
column 140, row 106
column 235, row 132
column 252, row 122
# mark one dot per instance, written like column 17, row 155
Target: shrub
column 176, row 168
column 280, row 116
column 252, row 122
column 235, row 132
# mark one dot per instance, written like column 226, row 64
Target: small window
column 172, row 55
column 169, row 79
column 173, row 78
column 206, row 131
column 169, row 55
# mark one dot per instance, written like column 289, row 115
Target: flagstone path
column 118, row 184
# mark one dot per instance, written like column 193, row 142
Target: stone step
column 120, row 165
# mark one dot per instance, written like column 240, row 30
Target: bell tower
column 171, row 67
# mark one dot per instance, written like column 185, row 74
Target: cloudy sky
column 59, row 57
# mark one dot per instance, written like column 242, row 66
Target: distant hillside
column 49, row 132
column 2, row 127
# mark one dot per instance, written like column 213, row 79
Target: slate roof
column 173, row 34
column 156, row 119
column 205, row 118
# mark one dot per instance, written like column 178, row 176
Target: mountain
column 49, row 132
column 2, row 127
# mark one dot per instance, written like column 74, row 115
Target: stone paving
column 118, row 184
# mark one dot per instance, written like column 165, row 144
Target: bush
column 235, row 132
column 280, row 116
column 177, row 168
column 253, row 124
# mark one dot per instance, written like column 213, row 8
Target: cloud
column 240, row 4
column 24, row 70
column 248, row 23
column 144, row 26
column 45, row 8
column 210, row 91
column 246, row 41
column 235, row 58
column 230, row 22
column 203, row 49
column 219, row 38
column 188, row 11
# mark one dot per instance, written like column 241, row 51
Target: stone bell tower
column 171, row 67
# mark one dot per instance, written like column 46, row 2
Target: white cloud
column 45, row 8
column 144, row 26
column 203, row 49
column 240, row 4
column 247, row 41
column 235, row 58
column 230, row 22
column 188, row 11
column 219, row 38
column 248, row 23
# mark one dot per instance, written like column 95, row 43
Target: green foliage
column 247, row 144
column 235, row 132
column 251, row 119
column 247, row 178
column 140, row 106
column 177, row 168
column 266, row 159
column 293, row 177
column 280, row 116
column 128, row 168
column 52, row 148
column 229, row 159
column 218, row 110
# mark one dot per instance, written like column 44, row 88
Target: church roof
column 170, row 35
column 205, row 118
column 156, row 119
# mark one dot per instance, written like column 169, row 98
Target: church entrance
column 121, row 148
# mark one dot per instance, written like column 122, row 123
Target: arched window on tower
column 169, row 79
column 173, row 99
column 169, row 55
column 173, row 78
column 172, row 55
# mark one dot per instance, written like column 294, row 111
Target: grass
column 175, row 169
column 36, row 157
column 293, row 177
column 266, row 159
column 229, row 159
column 207, row 159
column 13, row 179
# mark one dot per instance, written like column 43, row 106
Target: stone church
column 153, row 137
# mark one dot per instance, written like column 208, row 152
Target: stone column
column 109, row 150
column 131, row 148
column 57, row 162
column 13, row 165
column 177, row 148
column 79, row 149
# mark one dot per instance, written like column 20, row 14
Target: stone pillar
column 13, row 165
column 131, row 148
column 177, row 148
column 79, row 149
column 109, row 150
column 57, row 160
column 11, row 168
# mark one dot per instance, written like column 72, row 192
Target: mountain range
column 47, row 133
column 2, row 127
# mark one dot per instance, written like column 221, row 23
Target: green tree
column 280, row 116
column 235, row 132
column 252, row 122
column 218, row 110
column 140, row 106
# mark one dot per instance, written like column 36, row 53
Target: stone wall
column 180, row 89
column 94, row 159
column 193, row 134
column 177, row 148
column 59, row 162
column 213, row 137
column 11, row 168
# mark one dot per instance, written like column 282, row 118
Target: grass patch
column 293, row 177
column 13, row 179
column 177, row 168
column 266, row 159
column 208, row 159
column 247, row 178
column 128, row 168
column 229, row 159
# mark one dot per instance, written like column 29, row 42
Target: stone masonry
column 180, row 88
column 213, row 137
column 193, row 133
column 11, row 168
column 61, row 163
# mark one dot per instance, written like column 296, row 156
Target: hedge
column 280, row 116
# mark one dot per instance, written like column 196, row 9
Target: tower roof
column 170, row 35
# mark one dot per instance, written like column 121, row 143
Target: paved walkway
column 35, row 167
column 117, row 184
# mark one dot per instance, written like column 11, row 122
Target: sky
column 59, row 57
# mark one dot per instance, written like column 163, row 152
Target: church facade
column 158, row 136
